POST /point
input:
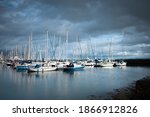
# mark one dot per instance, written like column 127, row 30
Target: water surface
column 66, row 85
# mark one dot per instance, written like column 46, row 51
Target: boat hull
column 73, row 68
column 42, row 69
column 22, row 67
column 121, row 64
column 106, row 64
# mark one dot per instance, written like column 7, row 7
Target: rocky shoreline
column 140, row 90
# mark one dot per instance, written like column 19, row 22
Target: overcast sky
column 125, row 23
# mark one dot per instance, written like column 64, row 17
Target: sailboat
column 108, row 62
column 43, row 68
column 61, row 64
column 121, row 62
column 1, row 58
column 25, row 65
column 89, row 62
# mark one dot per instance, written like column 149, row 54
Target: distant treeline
column 138, row 62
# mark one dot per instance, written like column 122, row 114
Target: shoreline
column 138, row 62
column 139, row 90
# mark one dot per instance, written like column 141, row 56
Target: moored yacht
column 89, row 63
column 60, row 65
column 73, row 66
column 106, row 63
column 121, row 63
column 42, row 68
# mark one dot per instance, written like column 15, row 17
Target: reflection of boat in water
column 122, row 67
column 89, row 67
column 43, row 68
column 72, row 67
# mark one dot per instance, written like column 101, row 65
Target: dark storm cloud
column 88, row 18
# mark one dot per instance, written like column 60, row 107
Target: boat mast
column 59, row 48
column 123, row 48
column 91, row 47
column 53, row 47
column 46, row 51
column 79, row 44
column 40, row 56
column 67, row 46
column 110, row 52
column 76, row 47
column 29, row 49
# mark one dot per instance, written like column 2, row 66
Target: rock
column 142, row 89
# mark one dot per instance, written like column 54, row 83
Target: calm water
column 64, row 85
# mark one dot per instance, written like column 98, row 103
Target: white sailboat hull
column 61, row 65
column 108, row 64
column 121, row 64
column 89, row 64
column 42, row 69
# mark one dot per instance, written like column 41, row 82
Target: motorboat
column 73, row 66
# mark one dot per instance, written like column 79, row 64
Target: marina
column 59, row 72
column 72, row 50
column 70, row 85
